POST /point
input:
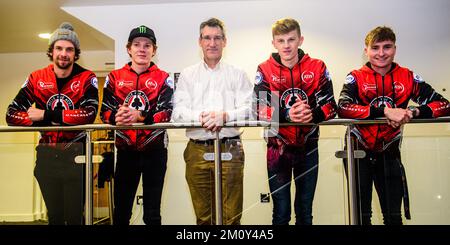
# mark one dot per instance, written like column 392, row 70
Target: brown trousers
column 200, row 178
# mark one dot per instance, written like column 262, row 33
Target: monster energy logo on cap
column 142, row 31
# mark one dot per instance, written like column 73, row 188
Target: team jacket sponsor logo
column 368, row 86
column 151, row 84
column 25, row 83
column 399, row 87
column 94, row 82
column 137, row 100
column 169, row 82
column 60, row 101
column 308, row 76
column 327, row 74
column 123, row 83
column 383, row 100
column 417, row 78
column 276, row 79
column 45, row 85
column 75, row 86
column 289, row 97
column 258, row 78
column 350, row 79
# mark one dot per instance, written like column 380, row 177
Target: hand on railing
column 397, row 116
column 213, row 120
column 300, row 112
column 126, row 115
column 35, row 114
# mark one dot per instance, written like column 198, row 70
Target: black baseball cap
column 142, row 31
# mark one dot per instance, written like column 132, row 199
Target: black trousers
column 130, row 165
column 385, row 171
column 61, row 181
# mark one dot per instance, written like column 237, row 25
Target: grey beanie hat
column 65, row 32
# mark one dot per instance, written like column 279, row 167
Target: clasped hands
column 127, row 116
column 213, row 120
column 397, row 116
column 300, row 112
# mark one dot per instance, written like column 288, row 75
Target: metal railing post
column 88, row 216
column 351, row 180
column 218, row 180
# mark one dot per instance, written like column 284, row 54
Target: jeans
column 283, row 160
column 61, row 181
column 385, row 171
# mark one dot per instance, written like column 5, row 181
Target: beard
column 63, row 64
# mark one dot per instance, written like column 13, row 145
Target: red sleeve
column 16, row 114
column 348, row 101
column 326, row 104
column 431, row 103
column 163, row 109
column 262, row 98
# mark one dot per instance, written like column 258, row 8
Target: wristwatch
column 413, row 109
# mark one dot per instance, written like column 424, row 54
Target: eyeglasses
column 214, row 38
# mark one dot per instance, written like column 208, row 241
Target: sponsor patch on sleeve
column 258, row 78
column 417, row 78
column 169, row 82
column 350, row 79
column 94, row 82
column 106, row 82
column 327, row 74
column 25, row 83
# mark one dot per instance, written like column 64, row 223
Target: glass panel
column 103, row 172
column 21, row 200
column 424, row 153
column 41, row 183
column 426, row 158
column 255, row 209
column 414, row 177
column 330, row 200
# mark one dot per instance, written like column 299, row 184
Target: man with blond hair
column 293, row 87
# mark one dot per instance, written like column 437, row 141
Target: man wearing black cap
column 64, row 93
column 140, row 93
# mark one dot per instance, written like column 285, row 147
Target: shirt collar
column 218, row 66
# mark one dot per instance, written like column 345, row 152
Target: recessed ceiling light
column 44, row 35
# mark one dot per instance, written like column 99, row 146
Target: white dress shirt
column 200, row 88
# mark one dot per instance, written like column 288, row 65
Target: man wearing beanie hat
column 64, row 32
column 63, row 93
column 139, row 92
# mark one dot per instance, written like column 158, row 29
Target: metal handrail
column 351, row 182
column 172, row 125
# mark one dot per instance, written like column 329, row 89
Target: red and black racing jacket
column 366, row 92
column 68, row 101
column 150, row 92
column 277, row 87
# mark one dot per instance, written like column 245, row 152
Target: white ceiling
column 22, row 20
